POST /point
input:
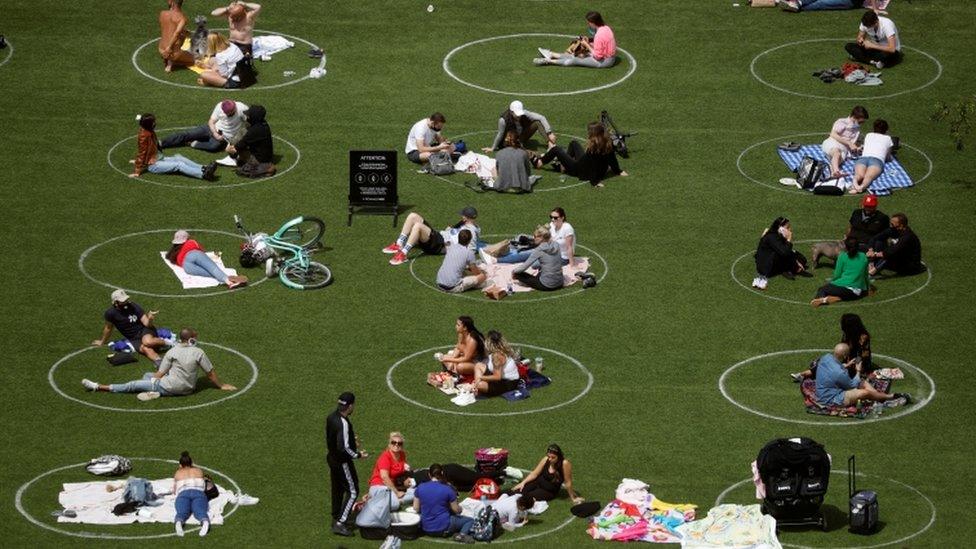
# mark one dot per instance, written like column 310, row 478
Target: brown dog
column 830, row 250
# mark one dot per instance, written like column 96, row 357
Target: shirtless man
column 172, row 33
column 240, row 19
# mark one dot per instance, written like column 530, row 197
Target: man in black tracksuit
column 897, row 249
column 343, row 448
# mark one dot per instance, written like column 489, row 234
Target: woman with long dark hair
column 551, row 473
column 187, row 253
column 189, row 485
column 469, row 349
column 591, row 163
column 850, row 280
column 600, row 46
column 149, row 159
column 856, row 336
column 775, row 254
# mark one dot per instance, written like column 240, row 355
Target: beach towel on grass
column 809, row 389
column 894, row 176
column 93, row 503
column 731, row 525
column 191, row 281
column 500, row 274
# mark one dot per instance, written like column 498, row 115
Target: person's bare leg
column 870, row 393
column 870, row 175
column 465, row 368
column 418, row 233
column 835, row 157
column 149, row 345
column 411, row 220
column 858, row 177
column 821, row 301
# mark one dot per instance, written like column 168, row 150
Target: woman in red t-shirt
column 187, row 253
column 391, row 465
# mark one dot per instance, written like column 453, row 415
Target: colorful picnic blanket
column 809, row 390
column 654, row 523
column 731, row 525
column 894, row 176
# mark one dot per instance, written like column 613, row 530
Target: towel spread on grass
column 500, row 274
column 191, row 281
column 731, row 526
column 269, row 45
column 894, row 176
column 809, row 390
column 93, row 503
column 637, row 515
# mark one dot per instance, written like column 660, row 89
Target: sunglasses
column 554, row 217
column 396, row 442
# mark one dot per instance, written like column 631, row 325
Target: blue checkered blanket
column 894, row 176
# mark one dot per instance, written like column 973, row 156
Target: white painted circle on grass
column 910, row 409
column 446, row 64
column 553, row 295
column 932, row 512
column 86, row 253
column 512, row 540
column 863, row 302
column 752, row 69
column 578, row 364
column 298, row 156
column 230, row 394
column 10, row 53
column 135, row 63
column 18, row 502
column 775, row 185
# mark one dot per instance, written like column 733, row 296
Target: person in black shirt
column 896, row 249
column 775, row 255
column 590, row 164
column 255, row 151
column 867, row 222
column 343, row 448
column 135, row 325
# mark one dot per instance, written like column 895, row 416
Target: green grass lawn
column 668, row 318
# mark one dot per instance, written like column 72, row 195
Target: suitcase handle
column 851, row 472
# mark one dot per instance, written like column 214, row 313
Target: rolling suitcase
column 863, row 515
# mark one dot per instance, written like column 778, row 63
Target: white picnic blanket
column 500, row 274
column 190, row 281
column 94, row 504
column 269, row 45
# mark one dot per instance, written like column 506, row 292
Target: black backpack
column 487, row 525
column 796, row 472
column 244, row 73
column 863, row 515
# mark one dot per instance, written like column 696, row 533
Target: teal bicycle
column 286, row 252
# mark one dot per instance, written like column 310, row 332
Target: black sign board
column 373, row 183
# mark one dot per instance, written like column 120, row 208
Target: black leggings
column 541, row 489
column 845, row 294
column 568, row 158
column 864, row 55
column 532, row 281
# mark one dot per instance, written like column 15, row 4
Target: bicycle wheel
column 306, row 234
column 316, row 275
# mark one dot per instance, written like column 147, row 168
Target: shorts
column 830, row 145
column 435, row 244
column 870, row 161
column 467, row 283
column 232, row 84
column 499, row 387
column 137, row 341
column 414, row 156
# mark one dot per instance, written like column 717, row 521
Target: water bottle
column 538, row 364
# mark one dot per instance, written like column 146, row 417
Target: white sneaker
column 541, row 61
column 148, row 395
column 545, row 53
column 227, row 161
column 89, row 384
column 179, row 529
column 204, row 528
column 760, row 282
column 244, row 499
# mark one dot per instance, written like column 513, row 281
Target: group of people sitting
column 489, row 363
column 870, row 154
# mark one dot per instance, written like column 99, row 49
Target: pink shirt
column 847, row 128
column 604, row 45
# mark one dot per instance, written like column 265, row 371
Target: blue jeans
column 177, row 164
column 520, row 257
column 192, row 500
column 869, row 161
column 197, row 263
column 144, row 385
column 817, row 5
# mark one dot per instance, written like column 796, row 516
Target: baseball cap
column 228, row 106
column 869, row 201
column 347, row 398
column 119, row 296
column 469, row 212
column 180, row 236
column 517, row 108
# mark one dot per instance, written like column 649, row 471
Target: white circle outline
column 925, row 528
column 445, row 64
column 902, row 363
column 752, row 69
column 794, row 190
column 559, row 294
column 577, row 363
column 512, row 540
column 18, row 503
column 84, row 255
column 857, row 303
column 232, row 394
column 9, row 54
column 298, row 157
column 135, row 64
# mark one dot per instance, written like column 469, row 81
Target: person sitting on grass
column 254, row 153
column 176, row 375
column 877, row 151
column 149, row 159
column 836, row 386
column 440, row 514
column 877, row 42
column 524, row 123
column 225, row 127
column 425, row 139
column 867, row 222
column 552, row 472
column 818, row 5
column 856, row 336
column 592, row 163
column 390, row 466
column 240, row 20
column 513, row 169
column 561, row 232
column 600, row 45
column 546, row 256
column 499, row 373
column 172, row 33
column 189, row 485
column 135, row 326
column 190, row 255
column 416, row 231
column 850, row 279
column 459, row 272
column 896, row 249
column 224, row 57
column 468, row 351
column 775, row 255
column 842, row 141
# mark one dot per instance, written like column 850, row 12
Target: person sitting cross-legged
column 836, row 386
column 897, row 249
column 440, row 514
column 850, row 279
column 135, row 325
column 499, row 373
column 459, row 272
column 425, row 139
column 877, row 42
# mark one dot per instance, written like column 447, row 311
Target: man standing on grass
column 135, row 326
column 343, row 449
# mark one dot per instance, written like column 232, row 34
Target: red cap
column 228, row 106
column 869, row 201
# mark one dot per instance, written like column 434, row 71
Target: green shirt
column 851, row 272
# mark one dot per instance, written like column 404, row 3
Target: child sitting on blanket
column 187, row 253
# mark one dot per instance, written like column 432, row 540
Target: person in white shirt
column 417, row 231
column 877, row 42
column 224, row 57
column 877, row 151
column 843, row 139
column 563, row 234
column 513, row 509
column 425, row 139
column 226, row 125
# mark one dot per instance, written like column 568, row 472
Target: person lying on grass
column 187, row 253
column 176, row 376
column 459, row 271
column 850, row 279
column 135, row 325
column 877, row 150
column 592, row 163
column 498, row 373
column 775, row 255
column 189, row 485
column 467, row 352
column 417, row 231
column 150, row 159
column 552, row 472
column 599, row 48
column 836, row 386
column 856, row 336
